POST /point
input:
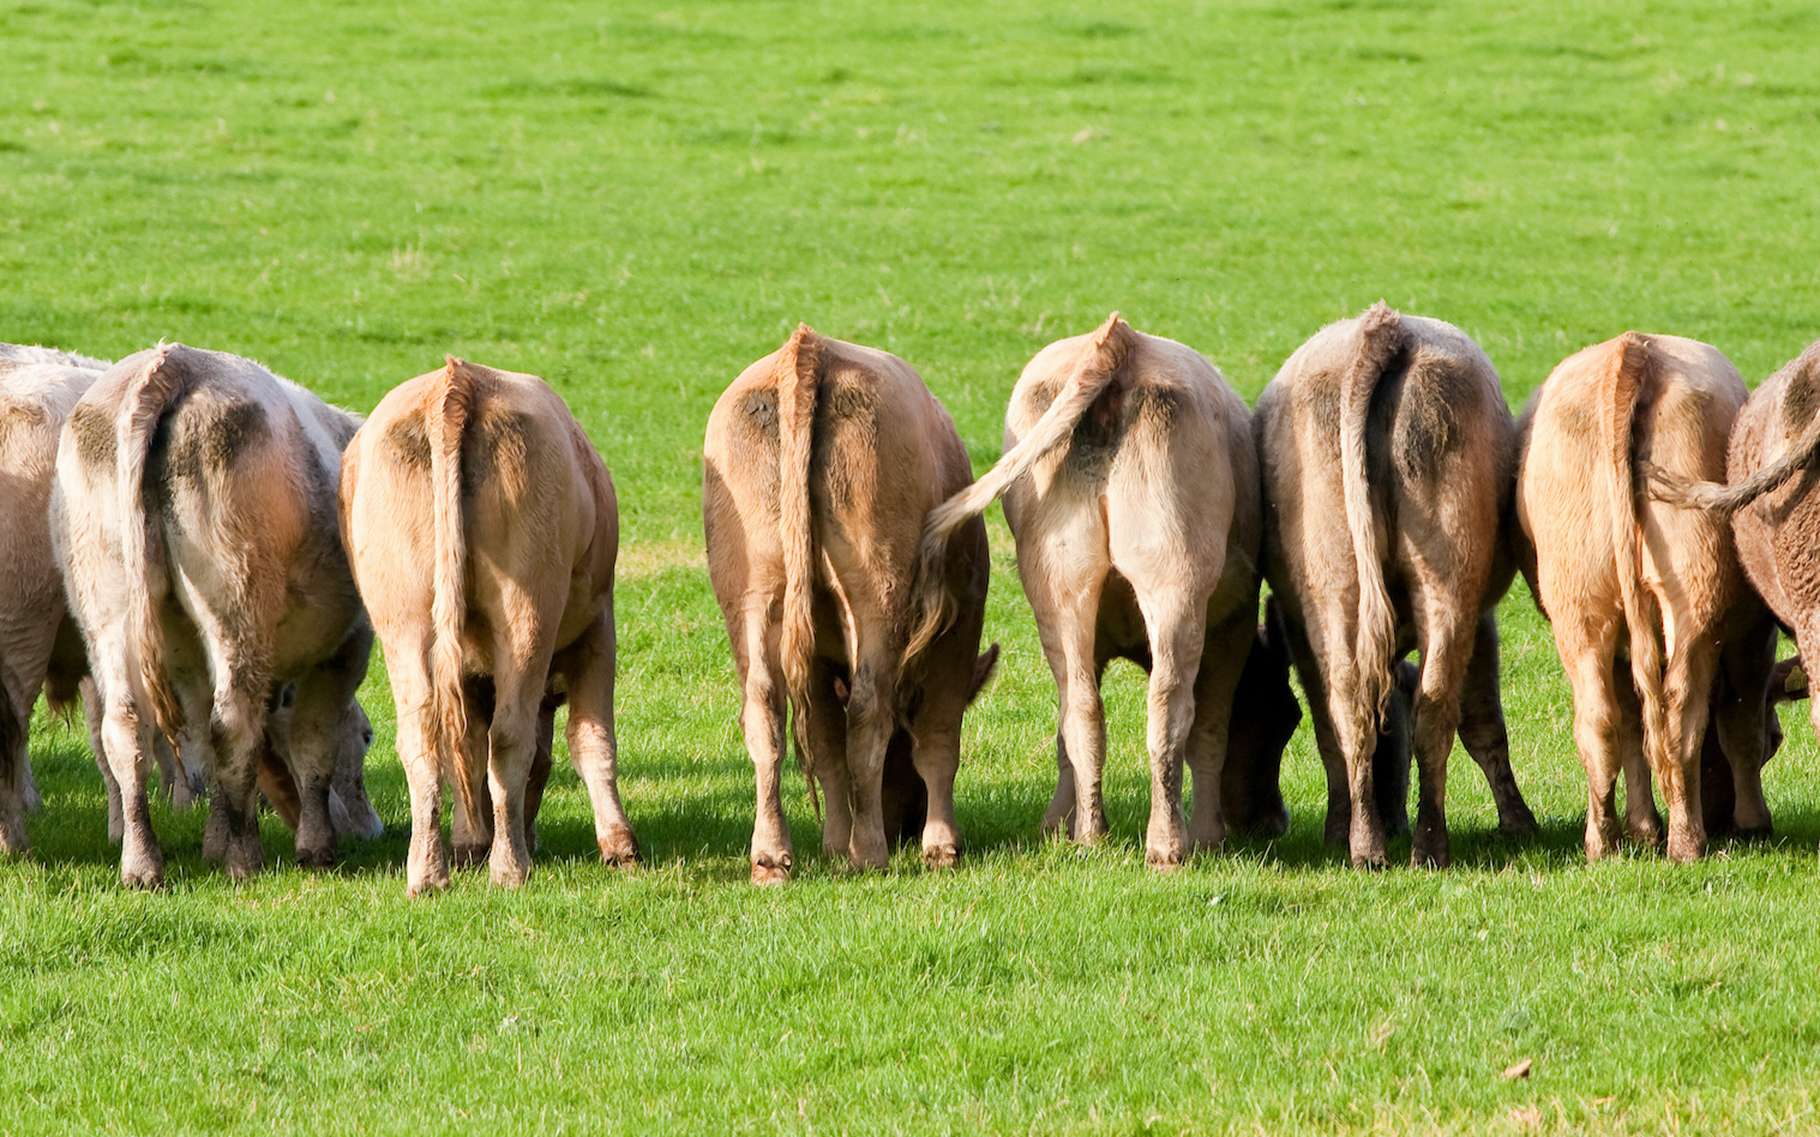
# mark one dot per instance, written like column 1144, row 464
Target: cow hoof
column 244, row 858
column 1685, row 850
column 426, row 883
column 1429, row 855
column 13, row 842
column 768, row 869
column 1754, row 835
column 146, row 873
column 941, row 857
column 319, row 858
column 468, row 856
column 214, row 839
column 1163, row 860
column 619, row 848
column 509, row 876
column 1519, row 822
column 1370, row 862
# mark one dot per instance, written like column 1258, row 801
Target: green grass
column 637, row 202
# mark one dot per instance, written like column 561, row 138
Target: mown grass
column 637, row 201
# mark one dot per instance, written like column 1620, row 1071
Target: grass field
column 636, row 201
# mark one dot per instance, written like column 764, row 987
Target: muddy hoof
column 767, row 869
column 145, row 874
column 426, row 883
column 1370, row 862
column 941, row 857
column 619, row 849
column 1163, row 860
column 244, row 858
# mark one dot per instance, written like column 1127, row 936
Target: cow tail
column 449, row 411
column 1098, row 365
column 147, row 399
column 1381, row 337
column 798, row 388
column 1627, row 379
column 1725, row 500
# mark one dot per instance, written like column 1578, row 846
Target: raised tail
column 448, row 414
column 1628, row 376
column 1725, row 500
column 1099, row 363
column 148, row 398
column 1381, row 337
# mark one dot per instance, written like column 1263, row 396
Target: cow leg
column 762, row 722
column 92, row 713
column 1742, row 720
column 871, row 719
column 1068, row 625
column 426, row 865
column 319, row 719
column 15, row 772
column 1687, row 691
column 1447, row 647
column 936, row 752
column 1642, row 824
column 236, row 732
column 1060, row 814
column 821, row 743
column 1483, row 732
column 593, row 748
column 1222, row 661
column 1336, row 832
column 124, row 742
column 1353, row 721
column 518, row 688
column 1599, row 720
column 541, row 764
column 471, row 831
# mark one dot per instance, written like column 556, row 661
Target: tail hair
column 1380, row 339
column 148, row 397
column 1629, row 375
column 449, row 411
column 1098, row 365
column 799, row 367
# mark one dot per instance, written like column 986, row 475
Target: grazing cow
column 194, row 520
column 38, row 386
column 1395, row 546
column 486, row 478
column 1774, row 499
column 1620, row 576
column 822, row 461
column 1131, row 484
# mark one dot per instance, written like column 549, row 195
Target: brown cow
column 486, row 478
column 822, row 461
column 193, row 516
column 1620, row 576
column 1130, row 481
column 1774, row 501
column 1395, row 546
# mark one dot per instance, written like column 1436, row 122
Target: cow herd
column 202, row 554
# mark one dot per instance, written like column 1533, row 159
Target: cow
column 193, row 519
column 1646, row 598
column 1394, row 547
column 1130, row 480
column 1773, row 501
column 485, row 477
column 39, row 646
column 822, row 461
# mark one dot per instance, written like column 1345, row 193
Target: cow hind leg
column 821, row 742
column 92, row 713
column 871, row 719
column 123, row 741
column 1222, row 661
column 936, row 754
column 426, row 863
column 324, row 698
column 593, row 747
column 1743, row 722
column 471, row 831
column 15, row 774
column 762, row 723
column 1485, row 736
column 1687, row 689
column 1599, row 723
column 1446, row 651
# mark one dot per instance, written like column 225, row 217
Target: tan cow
column 1774, row 499
column 483, row 529
column 1130, row 481
column 1619, row 576
column 822, row 461
column 194, row 520
column 1387, row 447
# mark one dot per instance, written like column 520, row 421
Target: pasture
column 636, row 201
